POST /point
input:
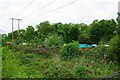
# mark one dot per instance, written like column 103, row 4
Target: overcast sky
column 32, row 12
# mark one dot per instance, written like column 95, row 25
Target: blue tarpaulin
column 85, row 46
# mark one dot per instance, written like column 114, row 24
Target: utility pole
column 18, row 29
column 118, row 31
column 118, row 18
column 12, row 30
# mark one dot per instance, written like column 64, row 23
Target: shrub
column 30, row 72
column 96, row 53
column 114, row 49
column 54, row 69
column 53, row 40
column 80, row 71
column 69, row 51
column 10, row 64
column 25, row 48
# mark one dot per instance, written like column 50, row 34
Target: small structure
column 86, row 47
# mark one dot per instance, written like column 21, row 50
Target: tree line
column 98, row 31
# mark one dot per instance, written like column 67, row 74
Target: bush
column 24, row 48
column 114, row 49
column 54, row 69
column 10, row 64
column 69, row 51
column 80, row 71
column 53, row 40
column 97, row 52
column 30, row 72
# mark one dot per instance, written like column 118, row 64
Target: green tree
column 66, row 35
column 29, row 34
column 57, row 28
column 43, row 29
column 84, row 33
column 9, row 38
column 74, row 33
column 102, row 30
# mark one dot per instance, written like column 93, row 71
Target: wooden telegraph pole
column 118, row 18
column 18, row 29
column 12, row 29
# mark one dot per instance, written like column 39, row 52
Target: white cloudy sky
column 82, row 11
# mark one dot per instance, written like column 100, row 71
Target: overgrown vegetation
column 51, row 51
column 114, row 48
column 69, row 50
column 28, row 65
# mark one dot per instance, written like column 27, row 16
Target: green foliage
column 43, row 29
column 85, row 35
column 38, row 41
column 29, row 34
column 113, row 50
column 55, row 69
column 57, row 28
column 96, row 53
column 10, row 64
column 31, row 73
column 74, row 33
column 69, row 51
column 25, row 63
column 103, row 29
column 53, row 40
column 9, row 38
column 22, row 35
column 37, row 66
column 80, row 71
column 66, row 34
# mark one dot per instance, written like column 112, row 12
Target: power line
column 22, row 10
column 45, row 5
column 42, row 7
column 57, row 8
